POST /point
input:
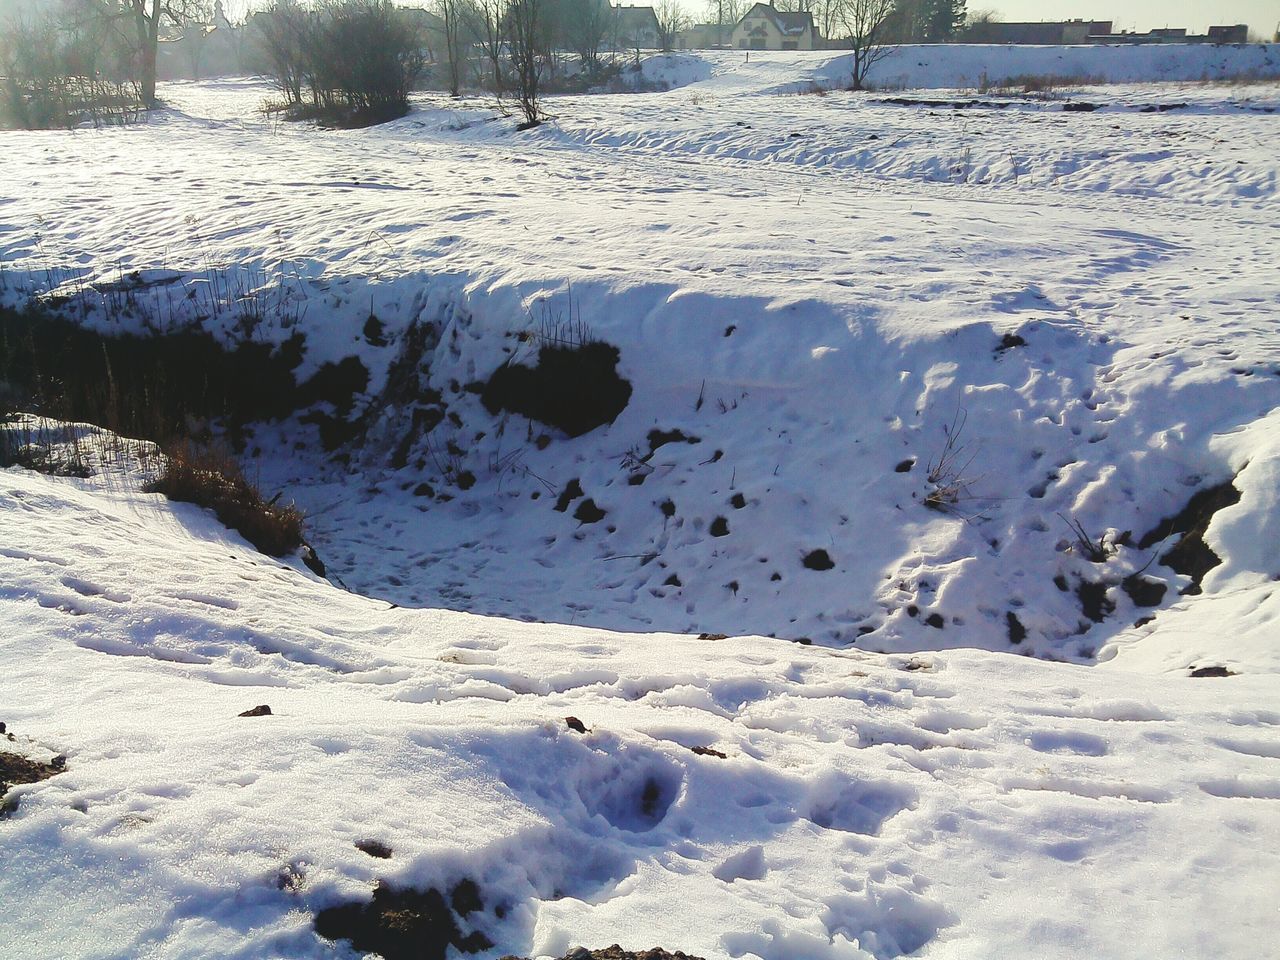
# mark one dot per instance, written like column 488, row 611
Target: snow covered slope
column 815, row 288
column 729, row 797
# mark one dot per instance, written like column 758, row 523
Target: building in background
column 1073, row 32
column 636, row 28
column 765, row 28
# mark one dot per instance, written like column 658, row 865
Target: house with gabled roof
column 636, row 28
column 765, row 28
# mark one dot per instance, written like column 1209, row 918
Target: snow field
column 1086, row 300
column 895, row 803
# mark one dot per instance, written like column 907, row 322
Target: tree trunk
column 148, row 27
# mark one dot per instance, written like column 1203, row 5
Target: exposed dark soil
column 659, row 438
column 1094, row 602
column 374, row 848
column 573, row 388
column 1144, row 592
column 156, row 386
column 571, row 492
column 15, row 770
column 1017, row 632
column 589, row 512
column 818, row 560
column 403, row 924
column 1191, row 556
column 1213, row 672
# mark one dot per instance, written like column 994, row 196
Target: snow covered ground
column 817, row 287
column 963, row 804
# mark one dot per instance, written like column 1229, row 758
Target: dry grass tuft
column 213, row 479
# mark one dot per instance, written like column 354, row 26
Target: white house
column 764, row 28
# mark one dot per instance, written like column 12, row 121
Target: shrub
column 63, row 74
column 214, row 480
column 349, row 62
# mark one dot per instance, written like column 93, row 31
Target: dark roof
column 637, row 16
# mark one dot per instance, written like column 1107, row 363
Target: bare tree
column 863, row 23
column 725, row 14
column 526, row 28
column 451, row 12
column 588, row 25
column 671, row 20
column 280, row 34
column 487, row 27
column 195, row 33
column 146, row 17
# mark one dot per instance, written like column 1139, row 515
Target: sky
column 1261, row 15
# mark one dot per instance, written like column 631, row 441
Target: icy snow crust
column 814, row 287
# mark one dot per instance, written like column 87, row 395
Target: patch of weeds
column 213, row 480
column 947, row 476
column 1096, row 551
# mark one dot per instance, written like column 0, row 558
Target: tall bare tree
column 526, row 27
column 588, row 24
column 863, row 24
column 671, row 20
column 197, row 16
column 725, row 14
column 146, row 18
column 452, row 14
column 487, row 26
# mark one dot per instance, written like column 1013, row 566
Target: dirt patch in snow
column 573, row 388
column 405, row 924
column 16, row 769
column 1191, row 556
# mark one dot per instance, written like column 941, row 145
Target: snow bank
column 732, row 797
column 815, row 292
column 963, row 65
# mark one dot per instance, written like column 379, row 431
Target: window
column 742, row 44
column 790, row 45
column 758, row 43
